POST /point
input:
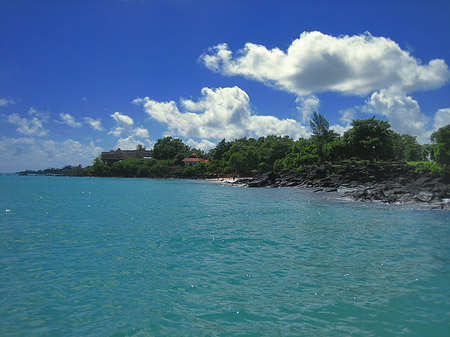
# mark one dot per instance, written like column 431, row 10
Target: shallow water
column 137, row 257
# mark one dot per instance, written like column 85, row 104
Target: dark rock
column 424, row 196
column 441, row 190
column 381, row 182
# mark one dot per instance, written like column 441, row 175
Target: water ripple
column 155, row 257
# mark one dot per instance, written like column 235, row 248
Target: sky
column 79, row 77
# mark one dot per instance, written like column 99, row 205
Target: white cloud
column 347, row 117
column 33, row 153
column 117, row 131
column 340, row 129
column 69, row 149
column 69, row 120
column 121, row 119
column 307, row 105
column 124, row 124
column 141, row 132
column 130, row 143
column 6, row 101
column 220, row 113
column 203, row 144
column 96, row 124
column 442, row 118
column 124, row 128
column 42, row 115
column 402, row 111
column 33, row 127
column 317, row 62
column 351, row 65
column 15, row 146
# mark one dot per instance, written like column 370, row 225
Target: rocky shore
column 367, row 181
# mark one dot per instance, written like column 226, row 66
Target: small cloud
column 130, row 143
column 340, row 129
column 402, row 111
column 121, row 119
column 442, row 118
column 137, row 101
column 117, row 131
column 42, row 115
column 69, row 120
column 33, row 127
column 347, row 117
column 96, row 124
column 124, row 124
column 141, row 132
column 203, row 144
column 6, row 101
column 124, row 128
column 307, row 105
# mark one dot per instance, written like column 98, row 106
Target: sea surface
column 142, row 257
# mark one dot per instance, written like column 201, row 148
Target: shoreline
column 389, row 183
column 392, row 183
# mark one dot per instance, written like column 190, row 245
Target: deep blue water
column 137, row 257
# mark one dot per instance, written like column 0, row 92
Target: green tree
column 238, row 162
column 139, row 147
column 201, row 168
column 100, row 169
column 406, row 147
column 303, row 152
column 161, row 168
column 322, row 134
column 272, row 148
column 441, row 146
column 320, row 126
column 336, row 150
column 168, row 148
column 221, row 148
column 370, row 139
column 304, row 155
column 76, row 171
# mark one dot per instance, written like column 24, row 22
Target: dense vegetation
column 369, row 139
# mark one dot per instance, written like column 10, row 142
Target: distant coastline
column 371, row 160
column 386, row 182
column 393, row 183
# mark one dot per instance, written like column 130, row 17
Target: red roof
column 194, row 158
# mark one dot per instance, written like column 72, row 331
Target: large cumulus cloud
column 361, row 65
column 316, row 62
column 219, row 113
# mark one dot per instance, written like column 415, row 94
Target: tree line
column 368, row 139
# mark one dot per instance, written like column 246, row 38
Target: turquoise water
column 135, row 257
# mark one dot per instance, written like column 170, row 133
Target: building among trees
column 112, row 157
column 193, row 160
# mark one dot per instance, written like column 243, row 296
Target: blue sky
column 81, row 77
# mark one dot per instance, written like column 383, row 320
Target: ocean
column 142, row 257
